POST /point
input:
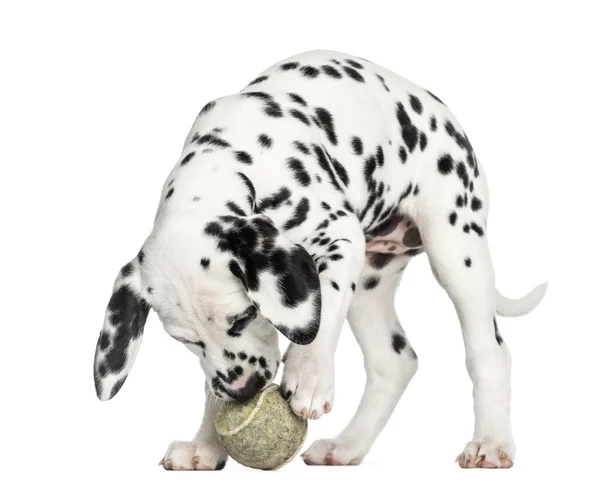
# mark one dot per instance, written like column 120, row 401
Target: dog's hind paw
column 333, row 452
column 485, row 454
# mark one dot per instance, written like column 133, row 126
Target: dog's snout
column 253, row 385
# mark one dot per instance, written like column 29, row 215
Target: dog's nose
column 254, row 384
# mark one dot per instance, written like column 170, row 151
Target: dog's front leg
column 308, row 376
column 205, row 451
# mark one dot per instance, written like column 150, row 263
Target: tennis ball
column 263, row 432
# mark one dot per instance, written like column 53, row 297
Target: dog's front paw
column 186, row 455
column 486, row 454
column 308, row 381
column 334, row 452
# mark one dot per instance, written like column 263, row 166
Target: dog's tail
column 508, row 307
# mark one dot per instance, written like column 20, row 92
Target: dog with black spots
column 296, row 204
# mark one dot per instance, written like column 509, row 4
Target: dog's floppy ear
column 280, row 278
column 121, row 333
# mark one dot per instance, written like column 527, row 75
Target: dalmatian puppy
column 297, row 204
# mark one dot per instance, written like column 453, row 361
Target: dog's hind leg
column 390, row 362
column 452, row 216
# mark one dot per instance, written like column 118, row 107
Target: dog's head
column 221, row 288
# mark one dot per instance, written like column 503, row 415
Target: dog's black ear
column 121, row 333
column 281, row 279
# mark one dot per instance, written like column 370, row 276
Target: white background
column 96, row 100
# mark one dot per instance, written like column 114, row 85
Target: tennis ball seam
column 250, row 417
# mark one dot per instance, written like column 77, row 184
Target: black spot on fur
column 288, row 66
column 187, row 158
column 205, row 263
column 433, row 124
column 354, row 74
column 169, row 193
column 207, row 107
column 309, row 71
column 251, row 198
column 452, row 218
column 300, row 173
column 379, row 156
column 357, row 145
column 410, row 134
column 461, row 171
column 103, row 341
column 354, row 64
column 498, row 337
column 398, row 343
column 275, row 200
column 353, row 286
column 445, row 164
column 212, row 140
column 324, row 163
column 477, row 228
column 476, row 204
column 273, row 109
column 422, row 141
column 341, row 172
column 126, row 270
column 300, row 116
column 299, row 216
column 381, row 78
column 326, row 123
column 301, row 147
column 259, row 80
column 468, row 262
column 296, row 98
column 258, row 95
column 402, row 154
column 265, row 141
column 415, row 104
column 243, row 157
column 331, row 71
column 371, row 282
column 236, row 209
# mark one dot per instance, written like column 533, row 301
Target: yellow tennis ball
column 263, row 432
